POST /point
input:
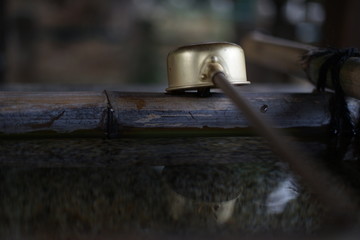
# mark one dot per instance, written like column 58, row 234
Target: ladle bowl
column 192, row 67
column 222, row 65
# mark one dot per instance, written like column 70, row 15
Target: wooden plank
column 60, row 112
column 152, row 110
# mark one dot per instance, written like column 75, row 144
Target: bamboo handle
column 319, row 182
column 285, row 56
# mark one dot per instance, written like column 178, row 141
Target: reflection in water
column 281, row 195
column 212, row 189
column 66, row 187
column 141, row 199
column 242, row 195
column 180, row 206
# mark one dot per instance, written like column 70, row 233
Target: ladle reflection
column 285, row 192
column 217, row 192
column 208, row 190
column 183, row 198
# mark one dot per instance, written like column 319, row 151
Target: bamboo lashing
column 285, row 56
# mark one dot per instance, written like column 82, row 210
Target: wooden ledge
column 114, row 112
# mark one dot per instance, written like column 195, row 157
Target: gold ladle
column 222, row 65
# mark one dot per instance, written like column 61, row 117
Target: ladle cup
column 222, row 65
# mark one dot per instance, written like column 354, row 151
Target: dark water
column 66, row 188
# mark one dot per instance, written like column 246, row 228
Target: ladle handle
column 285, row 56
column 318, row 180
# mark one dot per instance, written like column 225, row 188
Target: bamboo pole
column 285, row 56
column 337, row 200
column 118, row 112
column 52, row 112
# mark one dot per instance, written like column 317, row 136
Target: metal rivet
column 214, row 59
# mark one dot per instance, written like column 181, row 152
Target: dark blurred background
column 114, row 42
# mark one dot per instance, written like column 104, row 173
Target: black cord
column 341, row 122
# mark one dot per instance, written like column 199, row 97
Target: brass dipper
column 222, row 65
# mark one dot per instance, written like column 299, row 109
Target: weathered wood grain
column 118, row 112
column 61, row 112
column 147, row 110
